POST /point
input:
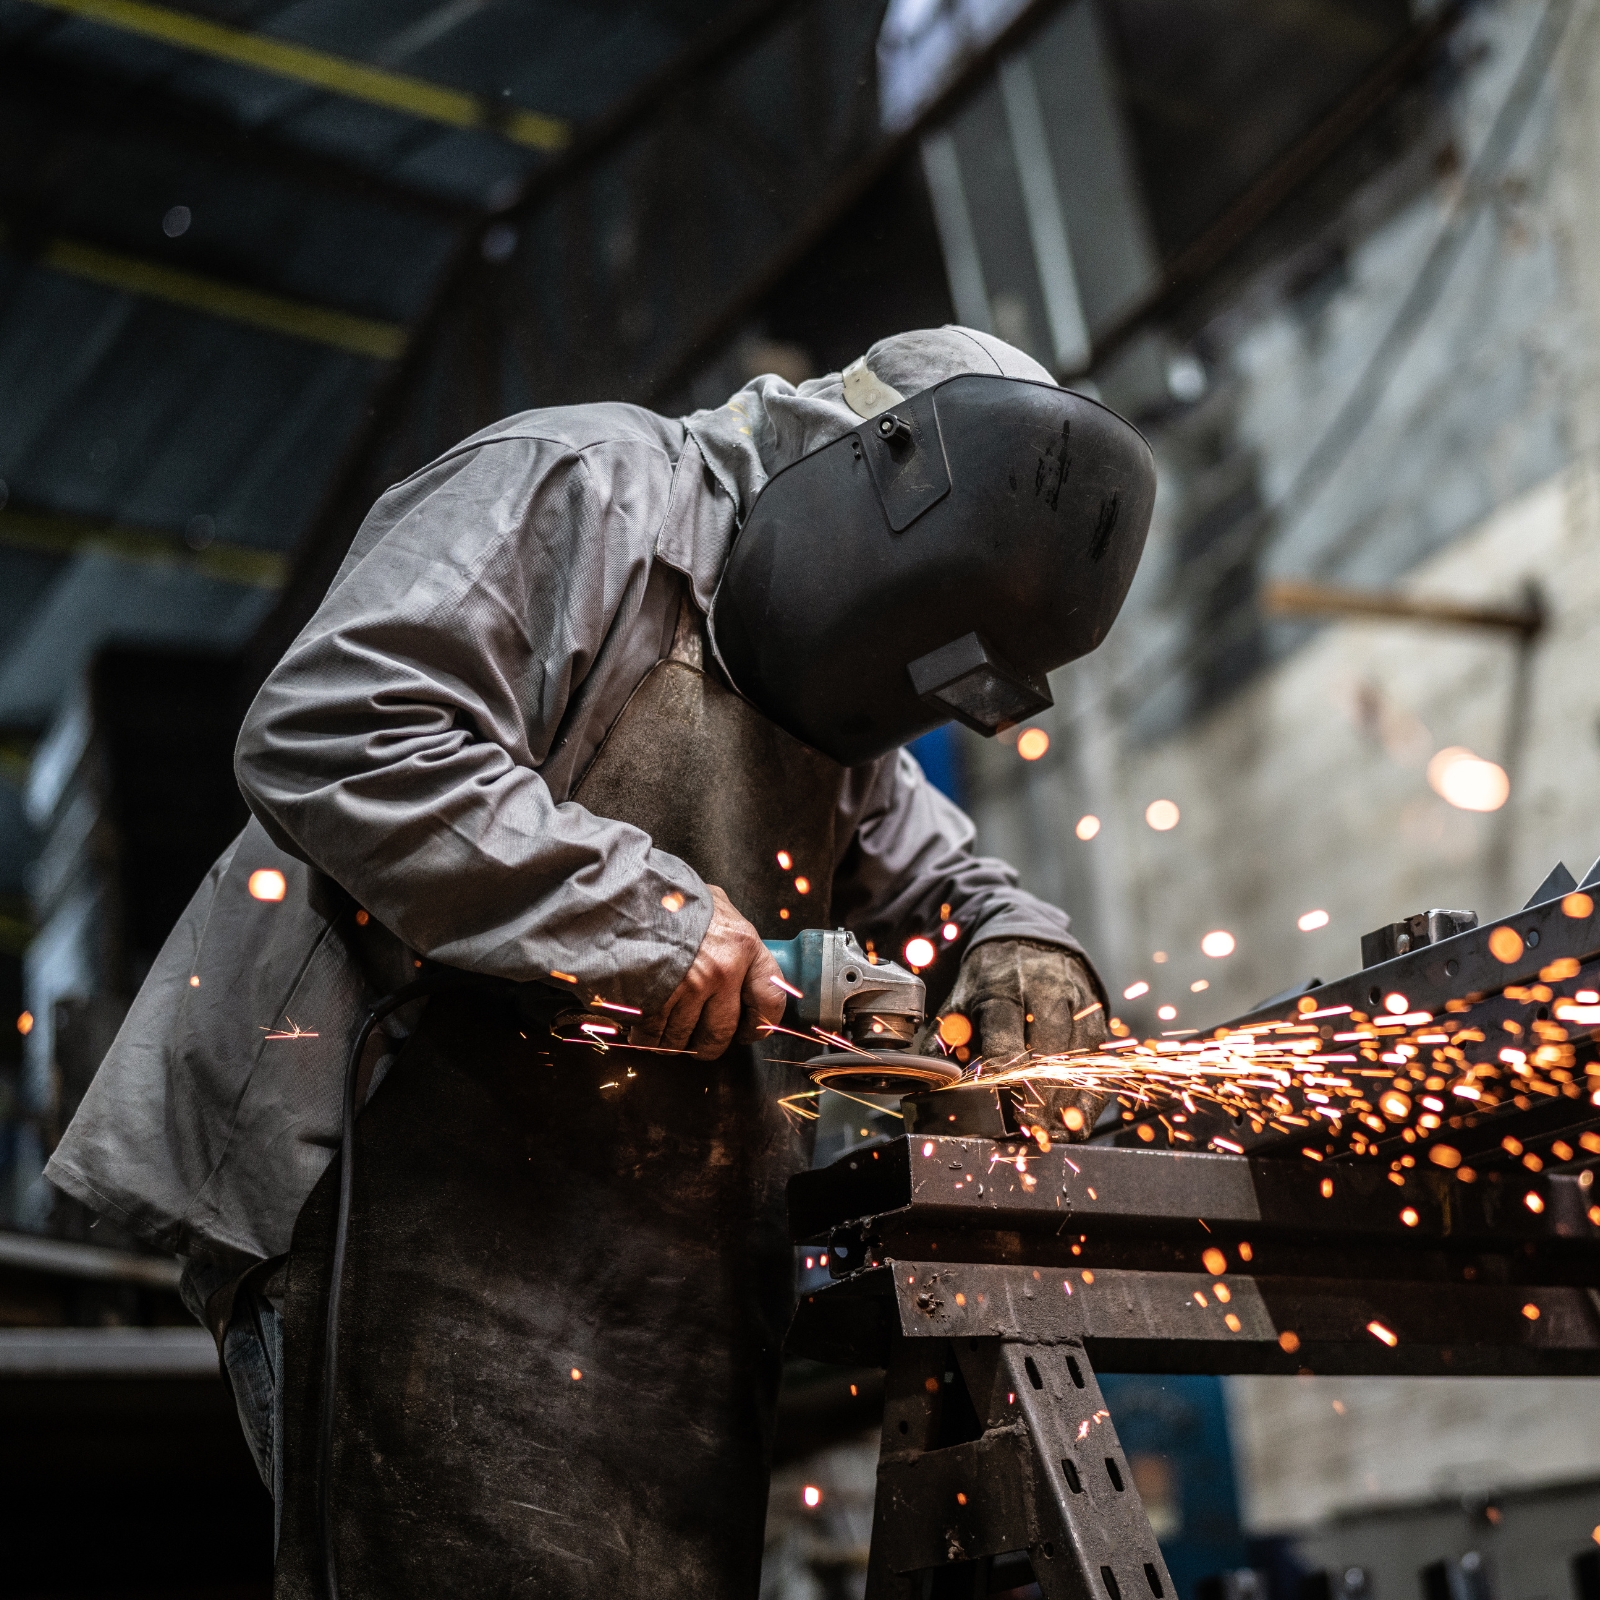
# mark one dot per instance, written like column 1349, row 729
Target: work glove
column 1024, row 998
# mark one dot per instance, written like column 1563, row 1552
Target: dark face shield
column 935, row 563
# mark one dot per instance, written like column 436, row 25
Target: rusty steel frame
column 988, row 1276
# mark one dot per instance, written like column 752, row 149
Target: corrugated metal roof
column 207, row 268
column 559, row 60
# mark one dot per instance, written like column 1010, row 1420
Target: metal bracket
column 905, row 454
column 997, row 1448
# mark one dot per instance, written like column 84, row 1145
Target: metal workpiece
column 958, row 1187
column 1142, row 1321
column 1483, row 986
column 1411, row 933
column 1181, row 1262
column 1464, row 964
column 997, row 1448
column 991, row 1110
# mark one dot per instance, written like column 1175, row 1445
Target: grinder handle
column 786, row 952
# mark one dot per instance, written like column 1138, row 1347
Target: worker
column 502, row 747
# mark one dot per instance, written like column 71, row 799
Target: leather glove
column 1024, row 998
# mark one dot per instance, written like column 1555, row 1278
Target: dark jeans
column 252, row 1352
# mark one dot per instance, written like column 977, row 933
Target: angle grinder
column 873, row 1008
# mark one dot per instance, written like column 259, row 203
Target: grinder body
column 872, row 1007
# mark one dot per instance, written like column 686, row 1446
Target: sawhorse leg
column 992, row 1446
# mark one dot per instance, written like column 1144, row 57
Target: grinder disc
column 881, row 1071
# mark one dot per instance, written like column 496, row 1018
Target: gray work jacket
column 411, row 758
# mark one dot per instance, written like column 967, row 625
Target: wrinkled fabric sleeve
column 910, row 852
column 397, row 744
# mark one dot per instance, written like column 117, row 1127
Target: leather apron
column 569, row 1275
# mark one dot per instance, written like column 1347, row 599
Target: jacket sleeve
column 397, row 745
column 911, row 855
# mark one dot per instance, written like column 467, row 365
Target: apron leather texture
column 568, row 1274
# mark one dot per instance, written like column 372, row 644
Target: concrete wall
column 1315, row 1449
column 1523, row 1544
column 1305, row 785
column 1308, row 789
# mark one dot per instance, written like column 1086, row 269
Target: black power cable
column 341, row 1233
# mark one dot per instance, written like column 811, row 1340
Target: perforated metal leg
column 994, row 1446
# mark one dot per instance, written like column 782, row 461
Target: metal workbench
column 989, row 1277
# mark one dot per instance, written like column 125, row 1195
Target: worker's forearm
column 467, row 857
column 912, row 857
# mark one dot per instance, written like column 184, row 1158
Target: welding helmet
column 935, row 563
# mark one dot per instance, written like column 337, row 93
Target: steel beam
column 1145, row 1321
column 229, row 302
column 320, row 69
column 1294, row 597
column 48, row 533
column 1172, row 1261
column 1462, row 981
column 84, row 99
column 948, row 1186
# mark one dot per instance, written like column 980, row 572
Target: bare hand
column 727, row 992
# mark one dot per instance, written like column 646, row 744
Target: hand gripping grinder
column 872, row 1009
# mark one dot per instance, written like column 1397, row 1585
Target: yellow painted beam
column 66, row 536
column 336, row 74
column 360, row 336
column 16, row 926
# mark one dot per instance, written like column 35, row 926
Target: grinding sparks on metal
column 955, row 1030
column 791, row 1102
column 1314, row 1075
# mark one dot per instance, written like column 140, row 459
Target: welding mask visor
column 933, row 564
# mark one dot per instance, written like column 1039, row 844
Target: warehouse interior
column 1338, row 260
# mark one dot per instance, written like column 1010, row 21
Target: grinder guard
column 937, row 562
